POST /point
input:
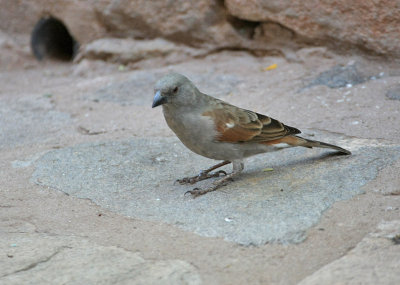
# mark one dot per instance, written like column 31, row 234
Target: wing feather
column 238, row 125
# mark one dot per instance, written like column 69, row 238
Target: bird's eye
column 175, row 89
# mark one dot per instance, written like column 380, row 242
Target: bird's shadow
column 256, row 172
column 303, row 161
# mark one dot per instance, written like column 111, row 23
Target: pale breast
column 195, row 131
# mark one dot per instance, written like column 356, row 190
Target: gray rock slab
column 139, row 88
column 28, row 120
column 394, row 93
column 340, row 76
column 375, row 260
column 135, row 178
column 32, row 258
column 391, row 173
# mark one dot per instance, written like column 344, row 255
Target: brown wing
column 238, row 125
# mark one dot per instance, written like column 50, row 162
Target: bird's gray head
column 174, row 89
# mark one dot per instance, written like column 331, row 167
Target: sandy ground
column 63, row 114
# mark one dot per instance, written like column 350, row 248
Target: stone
column 198, row 23
column 369, row 26
column 135, row 178
column 339, row 76
column 137, row 90
column 51, row 259
column 12, row 53
column 140, row 85
column 393, row 93
column 29, row 120
column 257, row 25
column 375, row 260
column 80, row 18
column 389, row 173
column 195, row 23
column 124, row 51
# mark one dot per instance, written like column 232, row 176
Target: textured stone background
column 87, row 167
column 370, row 26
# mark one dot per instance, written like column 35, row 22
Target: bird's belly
column 226, row 151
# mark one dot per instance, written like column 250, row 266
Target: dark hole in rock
column 50, row 38
column 243, row 27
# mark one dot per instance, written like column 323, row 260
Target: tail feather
column 310, row 143
column 299, row 141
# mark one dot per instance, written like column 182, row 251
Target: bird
column 218, row 130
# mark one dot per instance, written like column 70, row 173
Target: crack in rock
column 35, row 264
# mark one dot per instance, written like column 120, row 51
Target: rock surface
column 366, row 25
column 258, row 25
column 30, row 120
column 130, row 177
column 394, row 93
column 191, row 22
column 93, row 123
column 375, row 260
column 125, row 51
column 44, row 259
column 136, row 89
column 339, row 76
column 80, row 18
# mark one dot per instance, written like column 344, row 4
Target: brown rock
column 197, row 23
column 80, row 17
column 49, row 259
column 257, row 25
column 11, row 53
column 125, row 51
column 375, row 260
column 369, row 25
column 191, row 22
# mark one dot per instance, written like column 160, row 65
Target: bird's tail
column 310, row 143
column 299, row 141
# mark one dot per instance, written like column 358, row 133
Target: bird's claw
column 201, row 176
column 223, row 183
column 194, row 192
column 217, row 174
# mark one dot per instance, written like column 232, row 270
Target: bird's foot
column 202, row 176
column 195, row 192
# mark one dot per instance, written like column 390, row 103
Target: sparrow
column 218, row 130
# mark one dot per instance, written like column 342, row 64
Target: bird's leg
column 237, row 169
column 204, row 174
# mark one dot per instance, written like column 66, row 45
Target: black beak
column 158, row 100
